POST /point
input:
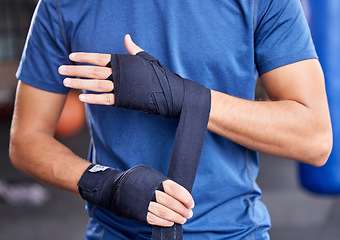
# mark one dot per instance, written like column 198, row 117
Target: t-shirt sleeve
column 45, row 50
column 282, row 35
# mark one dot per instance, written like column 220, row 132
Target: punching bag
column 324, row 21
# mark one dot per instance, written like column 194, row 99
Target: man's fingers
column 173, row 204
column 98, row 59
column 102, row 99
column 85, row 71
column 152, row 219
column 178, row 192
column 91, row 84
column 130, row 46
column 102, row 59
column 165, row 213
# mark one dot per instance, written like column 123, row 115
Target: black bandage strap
column 120, row 192
column 142, row 83
column 111, row 76
column 169, row 95
column 188, row 144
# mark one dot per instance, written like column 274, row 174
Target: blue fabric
column 209, row 42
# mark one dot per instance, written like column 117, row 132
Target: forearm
column 47, row 160
column 284, row 128
column 296, row 125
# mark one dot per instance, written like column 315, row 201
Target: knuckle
column 111, row 99
column 151, row 219
column 107, row 85
column 180, row 219
column 151, row 206
column 108, row 99
column 92, row 99
column 78, row 83
column 103, row 58
column 168, row 201
column 95, row 71
column 187, row 201
column 100, row 85
column 162, row 213
column 160, row 196
column 169, row 186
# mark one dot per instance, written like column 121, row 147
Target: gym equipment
column 325, row 27
column 72, row 119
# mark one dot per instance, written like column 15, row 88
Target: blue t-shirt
column 220, row 44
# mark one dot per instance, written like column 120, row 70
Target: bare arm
column 33, row 148
column 295, row 124
column 35, row 151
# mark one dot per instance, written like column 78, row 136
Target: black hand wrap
column 127, row 194
column 142, row 83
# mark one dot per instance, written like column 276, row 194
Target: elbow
column 17, row 145
column 324, row 152
column 320, row 149
column 13, row 152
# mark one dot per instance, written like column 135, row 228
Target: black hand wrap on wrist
column 127, row 194
column 142, row 83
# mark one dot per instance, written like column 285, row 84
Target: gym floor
column 54, row 215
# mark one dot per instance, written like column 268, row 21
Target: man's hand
column 97, row 75
column 133, row 194
column 173, row 205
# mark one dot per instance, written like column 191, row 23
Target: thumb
column 130, row 46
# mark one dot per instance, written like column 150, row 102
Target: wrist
column 127, row 194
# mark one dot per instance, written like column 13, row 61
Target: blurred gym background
column 31, row 211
